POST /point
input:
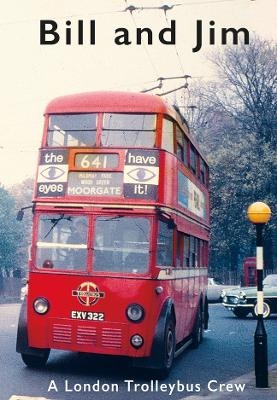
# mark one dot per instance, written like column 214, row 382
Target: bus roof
column 111, row 101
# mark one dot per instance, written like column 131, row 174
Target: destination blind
column 95, row 174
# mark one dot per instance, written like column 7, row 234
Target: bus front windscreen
column 119, row 244
column 62, row 242
column 128, row 130
column 72, row 130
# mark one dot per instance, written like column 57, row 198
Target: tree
column 248, row 79
column 10, row 234
column 22, row 194
column 235, row 120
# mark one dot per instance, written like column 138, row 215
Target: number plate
column 87, row 315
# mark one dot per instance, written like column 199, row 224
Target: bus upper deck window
column 203, row 172
column 186, row 147
column 168, row 135
column 193, row 159
column 128, row 130
column 68, row 130
column 180, row 144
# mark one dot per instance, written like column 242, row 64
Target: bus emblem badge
column 88, row 293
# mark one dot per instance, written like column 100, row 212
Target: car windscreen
column 270, row 280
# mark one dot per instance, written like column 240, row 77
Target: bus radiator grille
column 111, row 338
column 86, row 335
column 62, row 333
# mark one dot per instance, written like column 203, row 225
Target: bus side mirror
column 20, row 215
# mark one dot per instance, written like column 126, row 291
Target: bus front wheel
column 168, row 349
column 36, row 361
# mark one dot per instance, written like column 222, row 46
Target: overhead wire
column 128, row 8
column 165, row 9
column 143, row 44
column 170, row 7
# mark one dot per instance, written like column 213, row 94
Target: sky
column 32, row 73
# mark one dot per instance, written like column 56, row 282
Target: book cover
column 195, row 55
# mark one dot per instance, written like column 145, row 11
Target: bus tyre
column 34, row 361
column 197, row 334
column 168, row 349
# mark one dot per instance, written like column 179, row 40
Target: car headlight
column 135, row 312
column 23, row 292
column 41, row 305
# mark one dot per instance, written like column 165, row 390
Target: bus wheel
column 197, row 334
column 168, row 349
column 36, row 361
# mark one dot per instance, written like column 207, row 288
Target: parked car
column 216, row 290
column 242, row 301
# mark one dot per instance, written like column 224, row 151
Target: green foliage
column 235, row 122
column 11, row 232
column 22, row 194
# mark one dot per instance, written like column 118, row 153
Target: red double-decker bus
column 119, row 254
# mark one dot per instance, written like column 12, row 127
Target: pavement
column 14, row 397
column 242, row 388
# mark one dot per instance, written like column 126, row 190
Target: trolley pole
column 259, row 214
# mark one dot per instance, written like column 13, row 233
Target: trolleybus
column 119, row 253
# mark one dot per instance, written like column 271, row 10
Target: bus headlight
column 137, row 341
column 135, row 312
column 41, row 305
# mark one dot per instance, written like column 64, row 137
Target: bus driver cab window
column 135, row 259
column 78, row 256
column 124, row 244
column 62, row 242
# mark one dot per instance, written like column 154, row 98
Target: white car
column 216, row 290
column 24, row 289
